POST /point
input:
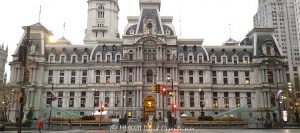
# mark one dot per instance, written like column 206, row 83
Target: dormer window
column 85, row 59
column 235, row 60
column 213, row 60
column 74, row 58
column 51, row 58
column 269, row 51
column 200, row 58
column 101, row 14
column 98, row 58
column 190, row 59
column 108, row 58
column 246, row 60
column 224, row 60
column 118, row 58
column 62, row 59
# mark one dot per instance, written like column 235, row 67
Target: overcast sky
column 206, row 19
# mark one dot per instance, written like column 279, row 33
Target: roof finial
column 40, row 13
column 180, row 26
column 6, row 47
column 229, row 31
column 64, row 29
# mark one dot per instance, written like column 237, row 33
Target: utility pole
column 23, row 59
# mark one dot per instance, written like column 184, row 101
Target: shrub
column 229, row 119
column 88, row 118
column 29, row 116
column 205, row 118
column 27, row 123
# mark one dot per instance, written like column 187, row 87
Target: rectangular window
column 118, row 58
column 118, row 79
column 60, row 94
column 98, row 58
column 84, row 73
column 214, row 81
column 226, row 103
column 50, row 80
column 215, row 94
column 72, row 80
column 96, row 102
column 236, row 81
column 61, row 80
column 200, row 72
column 72, row 94
column 247, row 73
column 200, row 80
column 225, row 94
column 97, row 76
column 59, row 102
column 74, row 59
column 101, row 14
column 85, row 59
column 130, row 78
column 191, row 80
column 51, row 59
column 236, row 73
column 50, row 73
column 108, row 59
column 83, row 94
column 225, row 73
column 215, row 103
column 213, row 60
column 62, row 73
column 62, row 59
column 71, row 102
column 237, row 94
column 237, row 103
column 82, row 102
column 214, row 73
column 225, row 81
column 235, row 60
column 83, row 80
column 73, row 73
column 168, row 70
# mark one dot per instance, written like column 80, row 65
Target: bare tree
column 8, row 98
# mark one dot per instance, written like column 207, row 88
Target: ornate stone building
column 120, row 72
column 3, row 60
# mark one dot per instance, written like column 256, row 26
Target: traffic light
column 174, row 107
column 157, row 88
column 164, row 90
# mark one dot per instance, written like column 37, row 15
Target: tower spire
column 40, row 12
column 64, row 26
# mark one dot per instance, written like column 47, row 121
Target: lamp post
column 279, row 102
column 201, row 94
column 49, row 125
column 173, row 104
column 93, row 112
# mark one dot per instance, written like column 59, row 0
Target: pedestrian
column 70, row 124
column 40, row 125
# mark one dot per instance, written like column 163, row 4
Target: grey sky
column 206, row 19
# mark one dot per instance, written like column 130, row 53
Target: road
column 176, row 131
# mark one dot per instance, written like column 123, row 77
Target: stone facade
column 283, row 15
column 120, row 73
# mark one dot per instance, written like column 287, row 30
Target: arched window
column 268, row 51
column 150, row 55
column 145, row 55
column 154, row 54
column 149, row 27
column 131, row 55
column 270, row 77
column 149, row 76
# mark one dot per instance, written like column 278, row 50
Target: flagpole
column 40, row 13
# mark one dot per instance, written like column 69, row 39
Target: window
column 149, row 76
column 237, row 102
column 224, row 59
column 190, row 59
column 236, row 73
column 72, row 94
column 225, row 94
column 200, row 59
column 108, row 58
column 98, row 76
column 50, row 76
column 191, row 80
column 74, row 59
column 246, row 60
column 168, row 70
column 118, row 58
column 247, row 73
column 62, row 59
column 85, row 58
column 101, row 14
column 59, row 102
column 237, row 94
column 107, row 72
column 225, row 81
column 118, row 74
column 226, row 102
column 130, row 78
column 84, row 76
column 192, row 100
column 215, row 94
column 181, row 98
column 82, row 102
column 200, row 80
column 213, row 60
column 225, row 73
column 61, row 78
column 71, row 102
column 200, row 72
column 235, row 60
column 83, row 94
column 236, row 81
column 98, row 58
column 49, row 97
column 268, row 51
column 214, row 81
column 214, row 73
column 215, row 103
column 73, row 74
column 51, row 58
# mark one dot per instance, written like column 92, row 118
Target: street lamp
column 52, row 96
column 201, row 94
